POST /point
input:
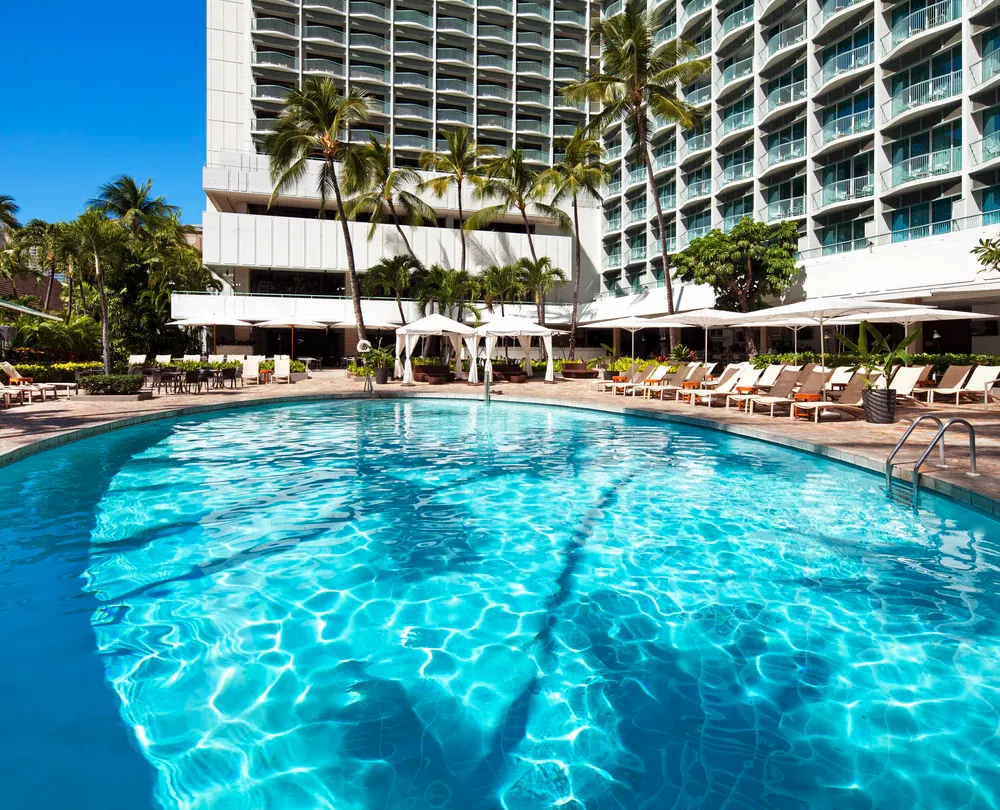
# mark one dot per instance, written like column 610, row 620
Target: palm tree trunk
column 69, row 300
column 527, row 230
column 399, row 228
column 48, row 288
column 461, row 222
column 105, row 336
column 674, row 333
column 576, row 283
column 351, row 269
column 399, row 303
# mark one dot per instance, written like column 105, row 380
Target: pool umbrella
column 795, row 326
column 221, row 320
column 705, row 318
column 631, row 324
column 914, row 314
column 293, row 324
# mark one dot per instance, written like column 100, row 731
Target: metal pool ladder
column 909, row 491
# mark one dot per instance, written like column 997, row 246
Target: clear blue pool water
column 426, row 604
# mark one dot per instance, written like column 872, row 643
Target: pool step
column 900, row 491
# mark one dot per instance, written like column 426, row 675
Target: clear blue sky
column 94, row 89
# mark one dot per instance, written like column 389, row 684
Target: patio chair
column 696, row 375
column 10, row 393
column 770, row 374
column 27, row 383
column 669, row 382
column 813, row 386
column 217, row 358
column 251, row 371
column 192, row 358
column 282, row 370
column 850, row 401
column 636, row 376
column 840, row 378
column 746, row 378
column 162, row 359
column 982, row 379
column 780, row 391
column 657, row 374
column 951, row 382
column 194, row 380
column 228, row 376
column 136, row 360
column 905, row 380
column 605, row 385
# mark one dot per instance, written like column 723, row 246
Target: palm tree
column 501, row 283
column 8, row 216
column 66, row 246
column 314, row 124
column 380, row 190
column 538, row 277
column 393, row 275
column 580, row 171
column 635, row 78
column 133, row 205
column 458, row 164
column 101, row 238
column 516, row 185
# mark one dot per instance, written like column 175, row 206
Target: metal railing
column 324, row 32
column 853, row 188
column 735, row 172
column 536, row 155
column 924, row 19
column 365, row 135
column 857, row 58
column 830, row 8
column 496, row 32
column 408, row 15
column 698, row 142
column 785, row 39
column 790, row 93
column 698, row 188
column 985, row 150
column 986, row 68
column 785, row 209
column 854, row 124
column 737, row 19
column 735, row 71
column 925, row 92
column 937, row 441
column 784, row 152
column 613, row 9
column 413, row 46
column 944, row 161
column 919, row 232
column 614, row 152
column 275, row 59
column 275, row 25
column 324, row 66
column 336, row 5
column 744, row 118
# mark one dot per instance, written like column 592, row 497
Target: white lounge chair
column 841, row 376
column 655, row 376
column 605, row 385
column 27, row 383
column 905, row 381
column 251, row 371
column 11, row 392
column 217, row 358
column 282, row 370
column 745, row 379
column 981, row 380
column 769, row 375
column 136, row 360
column 162, row 359
column 192, row 358
column 638, row 376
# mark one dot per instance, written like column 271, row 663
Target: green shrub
column 416, row 362
column 112, row 383
column 54, row 372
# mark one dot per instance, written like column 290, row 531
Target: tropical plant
column 314, row 125
column 451, row 290
column 380, row 357
column 581, row 170
column 635, row 78
column 681, row 353
column 517, row 186
column 753, row 261
column 538, row 277
column 379, row 190
column 8, row 216
column 457, row 165
column 393, row 275
column 877, row 354
column 987, row 253
column 133, row 205
column 104, row 240
column 501, row 283
column 33, row 245
column 78, row 338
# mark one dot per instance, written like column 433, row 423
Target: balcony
column 694, row 233
column 730, row 222
column 735, row 173
column 987, row 150
column 923, row 167
column 533, row 97
column 535, row 155
column 696, row 189
column 612, row 10
column 637, row 254
column 536, row 9
column 503, row 5
column 986, row 68
column 264, row 124
column 739, row 120
column 530, row 66
column 273, row 92
column 699, row 95
column 454, row 55
column 614, row 152
column 362, row 7
column 784, row 153
column 411, row 46
column 454, row 24
column 613, row 262
column 737, row 20
column 324, row 33
column 637, row 175
column 493, row 91
column 692, row 9
column 787, row 38
column 845, row 191
column 494, row 60
column 736, row 71
column 922, row 231
column 790, row 208
column 636, row 215
column 568, row 15
column 450, row 85
column 411, row 142
column 326, row 5
column 781, row 96
column 940, row 88
column 411, row 79
column 612, row 225
column 406, row 110
column 846, row 62
column 663, row 160
column 453, row 116
column 494, row 121
column 667, row 199
column 275, row 59
column 614, row 187
column 327, row 66
column 924, row 19
column 496, row 32
column 531, row 125
column 697, row 143
column 532, row 38
column 665, row 34
column 275, row 25
column 413, row 17
column 369, row 72
column 567, row 44
column 373, row 41
column 829, row 9
column 845, row 126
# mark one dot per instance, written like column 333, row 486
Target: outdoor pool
column 431, row 604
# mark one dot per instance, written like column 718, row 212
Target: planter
column 381, row 375
column 879, row 405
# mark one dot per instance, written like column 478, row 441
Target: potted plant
column 380, row 361
column 877, row 358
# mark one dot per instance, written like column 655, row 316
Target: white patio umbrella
column 705, row 318
column 914, row 315
column 523, row 329
column 213, row 321
column 795, row 326
column 632, row 324
column 436, row 324
column 293, row 324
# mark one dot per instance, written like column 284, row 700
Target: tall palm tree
column 378, row 189
column 8, row 216
column 457, row 165
column 393, row 275
column 102, row 238
column 501, row 283
column 133, row 205
column 314, row 125
column 67, row 249
column 515, row 185
column 580, row 171
column 635, row 78
column 539, row 276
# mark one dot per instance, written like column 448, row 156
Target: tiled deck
column 24, row 429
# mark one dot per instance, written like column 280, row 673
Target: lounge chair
column 813, row 386
column 696, row 375
column 951, row 382
column 637, row 376
column 28, row 383
column 850, row 401
column 217, row 358
column 981, row 380
column 282, row 370
column 841, row 377
column 11, row 392
column 904, row 381
column 746, row 378
column 770, row 374
column 162, row 359
column 606, row 385
column 251, row 371
column 136, row 360
column 779, row 392
column 656, row 374
column 192, row 358
column 669, row 382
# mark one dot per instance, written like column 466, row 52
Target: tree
column 133, row 205
column 8, row 216
column 34, row 246
column 635, row 78
column 516, row 185
column 987, row 253
column 457, row 165
column 314, row 125
column 393, row 275
column 103, row 239
column 754, row 260
column 580, row 171
column 539, row 276
column 380, row 191
column 501, row 283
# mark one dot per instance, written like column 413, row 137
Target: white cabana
column 409, row 335
column 524, row 330
column 705, row 318
column 632, row 324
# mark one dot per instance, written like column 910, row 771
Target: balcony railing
column 853, row 188
column 923, row 231
column 369, row 72
column 698, row 142
column 985, row 219
column 494, row 60
column 412, row 46
column 785, row 39
column 737, row 70
column 451, row 116
column 496, row 32
column 612, row 225
column 275, row 59
column 694, row 7
column 944, row 161
column 789, row 208
column 335, row 5
column 531, row 125
column 986, row 150
column 614, row 152
column 324, row 32
column 567, row 44
column 924, row 19
column 859, row 57
column 264, row 124
column 533, row 8
column 925, row 92
column 493, row 91
column 615, row 187
column 506, row 5
column 275, row 91
column 637, row 175
column 613, row 9
column 454, row 24
column 736, row 19
column 324, row 66
column 532, row 97
column 536, row 155
column 612, row 262
column 744, row 118
column 369, row 41
column 986, row 68
column 494, row 121
column 532, row 38
column 408, row 15
column 665, row 34
column 784, row 95
column 694, row 233
column 454, row 85
column 530, row 66
column 413, row 111
column 699, row 95
column 830, row 8
column 637, row 214
column 568, row 15
column 373, row 9
column 637, row 254
column 730, row 222
column 664, row 160
column 784, row 152
column 275, row 25
column 412, row 142
column 454, row 55
column 668, row 200
column 736, row 172
column 412, row 79
column 698, row 188
column 862, row 121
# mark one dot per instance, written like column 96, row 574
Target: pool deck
column 28, row 429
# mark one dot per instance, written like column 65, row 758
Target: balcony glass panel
column 493, row 91
column 786, row 209
column 454, row 24
column 412, row 46
column 637, row 254
column 412, row 141
column 414, row 79
column 698, row 142
column 454, row 55
column 741, row 119
column 413, row 110
column 368, row 41
column 506, row 5
column 456, row 85
column 785, row 95
column 373, row 9
column 845, row 62
column 863, row 121
column 275, row 59
column 664, row 160
column 408, row 15
column 324, row 66
column 986, row 68
column 784, row 152
column 533, row 8
column 613, row 9
column 831, row 7
column 785, row 39
column 637, row 214
column 324, row 32
column 532, row 97
column 497, row 32
column 566, row 44
column 736, row 19
column 568, row 15
column 494, row 60
column 454, row 116
column 665, row 34
column 699, row 96
column 532, row 67
column 736, row 172
column 987, row 149
column 531, row 125
column 275, row 25
column 368, row 72
column 699, row 188
column 853, row 188
column 737, row 71
column 943, row 161
column 495, row 121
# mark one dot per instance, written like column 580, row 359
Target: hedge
column 112, row 383
column 939, row 361
column 54, row 372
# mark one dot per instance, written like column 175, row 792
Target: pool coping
column 928, row 482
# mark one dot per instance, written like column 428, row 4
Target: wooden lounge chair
column 779, row 392
column 951, row 382
column 813, row 386
column 746, row 378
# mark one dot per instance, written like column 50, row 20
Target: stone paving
column 26, row 429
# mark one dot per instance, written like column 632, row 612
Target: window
column 737, row 157
column 787, row 79
column 789, row 190
column 991, row 205
column 698, row 220
column 860, row 104
column 734, row 210
column 922, row 219
column 859, row 39
column 942, row 64
column 940, row 139
column 790, row 134
column 844, row 237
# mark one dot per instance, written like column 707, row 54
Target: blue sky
column 97, row 89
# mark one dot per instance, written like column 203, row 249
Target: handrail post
column 486, row 387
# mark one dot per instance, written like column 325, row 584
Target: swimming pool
column 430, row 604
